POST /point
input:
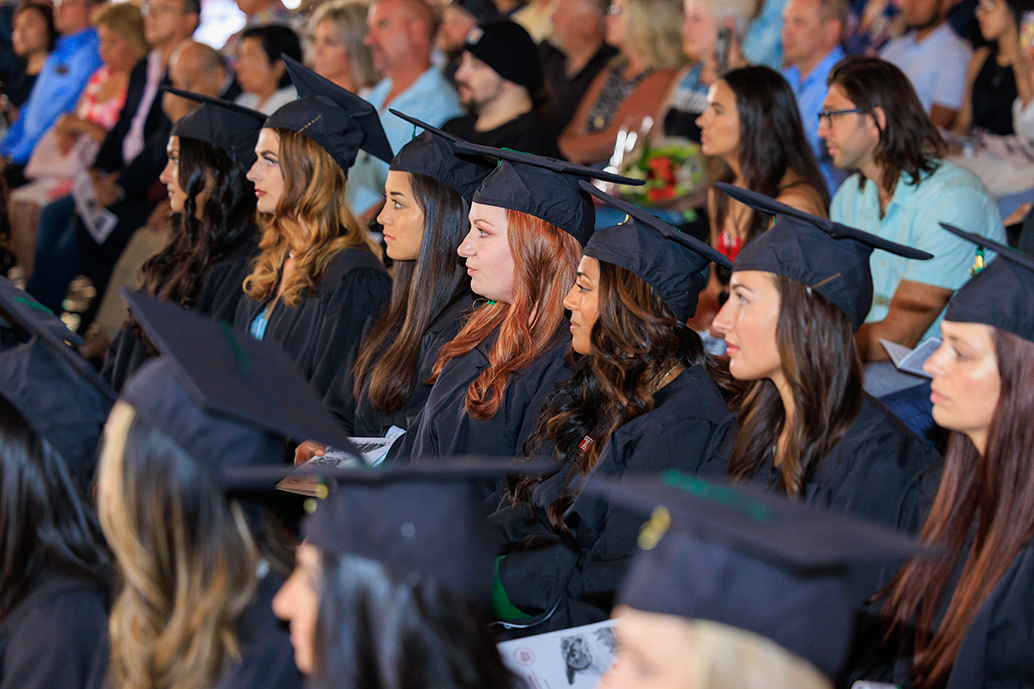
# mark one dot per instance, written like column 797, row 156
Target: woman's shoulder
column 448, row 323
column 353, row 263
column 63, row 605
column 798, row 193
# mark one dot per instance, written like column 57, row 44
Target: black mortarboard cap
column 57, row 391
column 543, row 187
column 506, row 47
column 228, row 400
column 338, row 120
column 668, row 260
column 225, row 125
column 418, row 518
column 828, row 257
column 19, row 310
column 755, row 561
column 1001, row 294
column 434, row 153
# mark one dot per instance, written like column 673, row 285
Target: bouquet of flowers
column 672, row 169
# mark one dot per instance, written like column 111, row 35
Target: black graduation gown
column 569, row 581
column 362, row 419
column 873, row 472
column 321, row 331
column 267, row 657
column 56, row 637
column 444, row 429
column 220, row 292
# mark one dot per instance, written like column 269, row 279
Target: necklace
column 664, row 378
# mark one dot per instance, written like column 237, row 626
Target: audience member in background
column 634, row 83
column 537, row 19
column 400, row 34
column 874, row 125
column 125, row 172
column 58, row 86
column 499, row 80
column 762, row 42
column 572, row 57
column 197, row 68
column 72, row 143
column 338, row 51
column 33, row 36
column 753, row 130
column 457, row 19
column 991, row 81
column 701, row 23
column 812, row 32
column 260, row 67
column 256, row 13
column 933, row 58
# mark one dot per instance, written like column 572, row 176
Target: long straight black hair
column 772, row 141
column 421, row 290
column 46, row 519
column 380, row 630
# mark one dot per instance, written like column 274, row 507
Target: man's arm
column 913, row 309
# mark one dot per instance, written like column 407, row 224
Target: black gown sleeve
column 57, row 637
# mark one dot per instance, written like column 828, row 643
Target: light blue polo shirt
column 952, row 195
column 430, row 99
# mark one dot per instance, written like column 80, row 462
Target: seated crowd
column 617, row 293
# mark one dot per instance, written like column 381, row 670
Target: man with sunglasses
column 902, row 189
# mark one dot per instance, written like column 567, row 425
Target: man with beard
column 499, row 80
column 933, row 58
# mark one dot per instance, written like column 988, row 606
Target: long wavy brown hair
column 545, row 261
column 636, row 340
column 821, row 365
column 187, row 558
column 314, row 200
column 988, row 498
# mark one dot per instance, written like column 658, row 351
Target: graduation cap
column 227, row 126
column 57, row 391
column 434, row 153
column 1000, row 294
column 19, row 309
column 338, row 120
column 825, row 256
column 750, row 560
column 543, row 187
column 668, row 260
column 427, row 519
column 228, row 400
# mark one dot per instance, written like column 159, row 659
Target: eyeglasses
column 826, row 116
column 987, row 6
column 614, row 10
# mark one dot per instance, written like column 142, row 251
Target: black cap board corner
column 998, row 295
column 826, row 256
column 58, row 392
column 435, row 153
column 227, row 126
column 750, row 560
column 668, row 260
column 341, row 122
column 228, row 399
column 436, row 526
column 545, row 188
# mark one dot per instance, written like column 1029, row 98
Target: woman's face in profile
column 298, row 602
column 748, row 323
column 720, row 122
column 966, row 383
column 487, row 250
column 402, row 218
column 654, row 652
column 583, row 303
column 266, row 174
